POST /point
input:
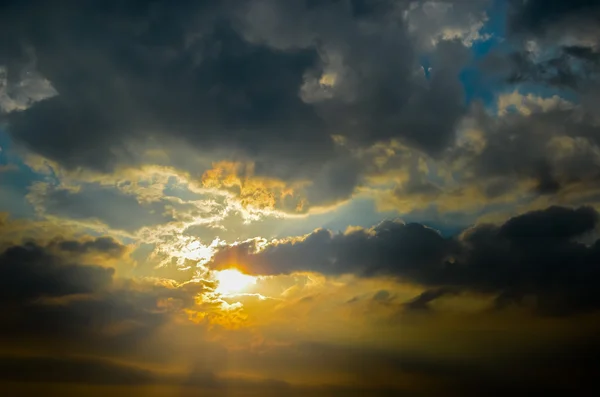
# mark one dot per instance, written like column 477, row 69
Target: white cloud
column 433, row 21
column 31, row 88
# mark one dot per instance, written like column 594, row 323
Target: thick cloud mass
column 532, row 254
column 260, row 81
column 540, row 16
column 565, row 39
column 102, row 244
column 47, row 292
column 128, row 72
column 271, row 83
column 555, row 224
column 387, row 248
column 29, row 272
column 220, row 92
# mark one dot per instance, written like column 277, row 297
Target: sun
column 232, row 281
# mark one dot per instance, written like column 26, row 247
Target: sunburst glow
column 232, row 281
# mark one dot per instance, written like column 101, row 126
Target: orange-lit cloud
column 254, row 191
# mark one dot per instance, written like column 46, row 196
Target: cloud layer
column 536, row 253
column 410, row 186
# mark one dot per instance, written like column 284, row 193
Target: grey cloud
column 48, row 296
column 245, row 81
column 108, row 205
column 106, row 245
column 556, row 148
column 388, row 248
column 421, row 302
column 136, row 78
column 553, row 44
column 573, row 67
column 554, row 225
column 536, row 253
column 540, row 17
column 336, row 181
column 226, row 79
column 30, row 271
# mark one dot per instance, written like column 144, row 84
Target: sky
column 299, row 198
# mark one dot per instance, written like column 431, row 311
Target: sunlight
column 232, row 281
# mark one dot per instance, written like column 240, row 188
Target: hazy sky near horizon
column 303, row 197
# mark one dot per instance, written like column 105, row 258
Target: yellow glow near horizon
column 232, row 281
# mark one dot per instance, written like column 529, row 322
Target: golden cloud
column 254, row 192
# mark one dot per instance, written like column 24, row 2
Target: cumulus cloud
column 312, row 95
column 526, row 148
column 29, row 272
column 392, row 243
column 536, row 253
column 260, row 82
column 543, row 147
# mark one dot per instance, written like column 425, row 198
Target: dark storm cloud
column 536, row 253
column 237, row 80
column 554, row 225
column 30, row 271
column 49, row 296
column 106, row 245
column 375, row 101
column 557, row 44
column 570, row 67
column 127, row 72
column 541, row 16
column 564, row 33
column 384, row 249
